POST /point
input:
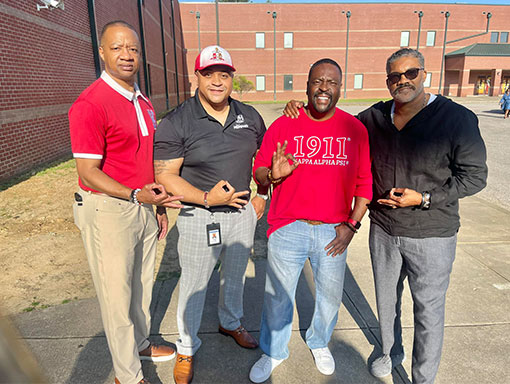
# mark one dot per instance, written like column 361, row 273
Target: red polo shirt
column 110, row 123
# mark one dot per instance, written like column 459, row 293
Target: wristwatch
column 352, row 224
column 425, row 200
column 263, row 197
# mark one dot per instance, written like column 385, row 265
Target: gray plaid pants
column 198, row 260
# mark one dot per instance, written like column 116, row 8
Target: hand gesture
column 401, row 197
column 225, row 194
column 156, row 194
column 292, row 109
column 280, row 165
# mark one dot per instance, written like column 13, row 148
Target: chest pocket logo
column 153, row 118
column 240, row 124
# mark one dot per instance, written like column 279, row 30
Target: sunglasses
column 410, row 74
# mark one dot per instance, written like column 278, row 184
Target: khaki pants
column 120, row 242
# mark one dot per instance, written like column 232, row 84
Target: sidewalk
column 69, row 342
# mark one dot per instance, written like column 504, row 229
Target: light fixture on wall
column 50, row 4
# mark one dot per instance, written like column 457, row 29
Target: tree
column 241, row 85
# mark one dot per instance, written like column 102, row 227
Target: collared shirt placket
column 132, row 97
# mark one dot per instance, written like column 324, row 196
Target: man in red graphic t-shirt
column 112, row 128
column 319, row 164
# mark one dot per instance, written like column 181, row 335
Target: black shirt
column 439, row 150
column 211, row 151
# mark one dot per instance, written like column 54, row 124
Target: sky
column 493, row 2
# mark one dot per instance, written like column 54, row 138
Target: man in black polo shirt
column 203, row 151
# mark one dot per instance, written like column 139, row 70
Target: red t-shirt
column 334, row 166
column 103, row 124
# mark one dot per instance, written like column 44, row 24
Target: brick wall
column 47, row 61
column 320, row 30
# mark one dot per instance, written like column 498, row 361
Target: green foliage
column 242, row 85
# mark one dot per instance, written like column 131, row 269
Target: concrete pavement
column 69, row 343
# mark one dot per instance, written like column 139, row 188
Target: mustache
column 405, row 85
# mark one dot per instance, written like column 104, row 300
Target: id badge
column 213, row 234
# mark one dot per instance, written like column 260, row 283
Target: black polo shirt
column 211, row 151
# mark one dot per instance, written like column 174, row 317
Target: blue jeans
column 288, row 249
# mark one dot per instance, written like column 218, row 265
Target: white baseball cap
column 213, row 55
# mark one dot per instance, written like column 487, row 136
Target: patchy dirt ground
column 42, row 256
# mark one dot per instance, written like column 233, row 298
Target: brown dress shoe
column 143, row 381
column 241, row 336
column 157, row 353
column 183, row 369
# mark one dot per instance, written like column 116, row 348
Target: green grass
column 43, row 169
column 35, row 304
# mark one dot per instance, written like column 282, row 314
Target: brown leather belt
column 312, row 222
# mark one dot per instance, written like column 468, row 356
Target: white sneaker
column 263, row 368
column 324, row 360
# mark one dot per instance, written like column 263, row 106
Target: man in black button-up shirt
column 427, row 154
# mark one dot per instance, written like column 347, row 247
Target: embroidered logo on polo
column 325, row 151
column 239, row 124
column 153, row 118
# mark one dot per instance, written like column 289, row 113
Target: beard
column 321, row 107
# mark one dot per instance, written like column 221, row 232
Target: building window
column 358, row 81
column 404, row 38
column 494, row 37
column 260, row 83
column 431, row 38
column 428, row 80
column 504, row 37
column 287, row 82
column 260, row 40
column 288, row 40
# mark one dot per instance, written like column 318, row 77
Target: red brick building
column 307, row 32
column 48, row 56
column 47, row 59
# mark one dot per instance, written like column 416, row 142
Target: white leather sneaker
column 263, row 368
column 324, row 360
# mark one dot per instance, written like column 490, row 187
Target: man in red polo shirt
column 112, row 128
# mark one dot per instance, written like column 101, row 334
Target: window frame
column 402, row 34
column 433, row 39
column 257, row 78
column 257, row 40
column 358, row 76
column 285, row 77
column 285, row 45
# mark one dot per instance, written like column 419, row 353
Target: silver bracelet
column 133, row 199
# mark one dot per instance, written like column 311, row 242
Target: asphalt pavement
column 69, row 343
